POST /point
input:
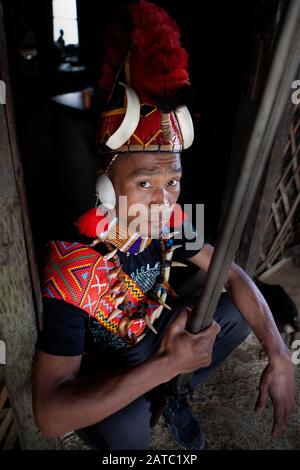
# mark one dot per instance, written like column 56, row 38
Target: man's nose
column 161, row 198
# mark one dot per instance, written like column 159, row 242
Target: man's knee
column 127, row 429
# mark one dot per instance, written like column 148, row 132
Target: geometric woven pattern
column 155, row 131
column 78, row 275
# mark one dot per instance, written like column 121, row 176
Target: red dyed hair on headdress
column 157, row 62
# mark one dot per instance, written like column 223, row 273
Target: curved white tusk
column 114, row 314
column 167, row 236
column 119, row 299
column 94, row 242
column 113, row 273
column 110, row 255
column 156, row 313
column 149, row 324
column 177, row 264
column 163, row 303
column 186, row 125
column 130, row 121
column 172, row 249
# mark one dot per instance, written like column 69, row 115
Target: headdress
column 143, row 77
column 143, row 80
column 142, row 84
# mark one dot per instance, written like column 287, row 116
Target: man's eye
column 173, row 183
column 144, row 184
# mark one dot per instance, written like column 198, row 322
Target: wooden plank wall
column 18, row 326
column 249, row 251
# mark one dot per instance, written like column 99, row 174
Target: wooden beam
column 5, row 424
column 11, row 438
column 17, row 306
column 250, row 249
column 18, row 171
column 3, row 397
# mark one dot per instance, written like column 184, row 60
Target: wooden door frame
column 20, row 297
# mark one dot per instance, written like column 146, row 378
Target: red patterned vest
column 78, row 275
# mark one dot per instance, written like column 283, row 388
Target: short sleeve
column 192, row 241
column 64, row 328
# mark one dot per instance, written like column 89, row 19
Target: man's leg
column 234, row 330
column 127, row 429
column 181, row 421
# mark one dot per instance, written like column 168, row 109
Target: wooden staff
column 276, row 92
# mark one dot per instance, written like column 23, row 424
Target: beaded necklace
column 117, row 237
column 158, row 293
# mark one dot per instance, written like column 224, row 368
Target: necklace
column 115, row 237
column 118, row 234
column 158, row 293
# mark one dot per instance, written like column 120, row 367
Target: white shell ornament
column 130, row 121
column 186, row 125
column 105, row 191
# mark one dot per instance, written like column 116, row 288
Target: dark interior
column 57, row 141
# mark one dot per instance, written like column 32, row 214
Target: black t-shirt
column 70, row 331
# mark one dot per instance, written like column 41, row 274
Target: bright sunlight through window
column 65, row 18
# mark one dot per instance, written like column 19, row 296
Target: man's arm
column 278, row 378
column 62, row 402
column 65, row 404
column 250, row 302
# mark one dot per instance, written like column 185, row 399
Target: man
column 60, row 41
column 110, row 339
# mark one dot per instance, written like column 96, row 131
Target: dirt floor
column 225, row 402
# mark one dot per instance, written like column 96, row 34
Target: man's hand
column 277, row 382
column 62, row 401
column 188, row 351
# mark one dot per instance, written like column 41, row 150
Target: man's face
column 151, row 184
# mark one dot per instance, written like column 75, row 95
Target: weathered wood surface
column 249, row 252
column 18, row 171
column 17, row 314
column 255, row 231
column 17, row 309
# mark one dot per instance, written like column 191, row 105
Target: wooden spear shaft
column 277, row 91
